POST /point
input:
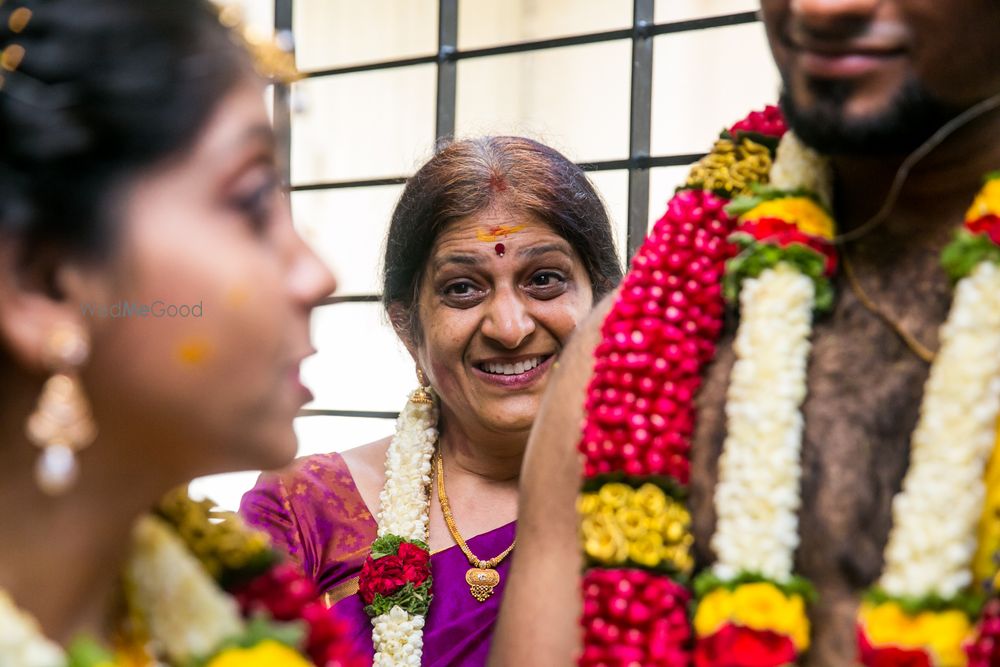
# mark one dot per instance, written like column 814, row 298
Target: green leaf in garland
column 261, row 628
column 87, row 653
column 413, row 599
column 964, row 253
column 756, row 257
column 969, row 604
column 708, row 581
column 388, row 545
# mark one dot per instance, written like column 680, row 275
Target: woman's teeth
column 511, row 369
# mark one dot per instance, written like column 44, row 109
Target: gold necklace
column 911, row 342
column 482, row 577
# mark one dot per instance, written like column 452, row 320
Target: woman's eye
column 257, row 205
column 546, row 284
column 459, row 289
column 547, row 279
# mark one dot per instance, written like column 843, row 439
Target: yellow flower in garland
column 802, row 212
column 987, row 202
column 763, row 606
column 732, row 168
column 266, row 654
column 943, row 633
column 714, row 611
column 985, row 566
column 646, row 526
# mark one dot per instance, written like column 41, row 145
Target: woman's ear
column 400, row 318
column 38, row 298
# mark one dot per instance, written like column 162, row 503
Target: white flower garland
column 21, row 641
column 404, row 510
column 757, row 495
column 186, row 612
column 798, row 167
column 953, row 439
column 933, row 538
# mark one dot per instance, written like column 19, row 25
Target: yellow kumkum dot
column 18, row 20
column 802, row 212
column 987, row 202
column 12, row 57
column 268, row 653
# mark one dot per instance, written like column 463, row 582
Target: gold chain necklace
column 482, row 577
column 908, row 339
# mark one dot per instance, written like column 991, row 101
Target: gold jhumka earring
column 62, row 424
column 421, row 395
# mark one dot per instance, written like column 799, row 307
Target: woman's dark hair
column 92, row 92
column 473, row 175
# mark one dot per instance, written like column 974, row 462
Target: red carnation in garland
column 416, row 563
column 634, row 617
column 383, row 576
column 737, row 646
column 770, row 122
column 330, row 642
column 988, row 225
column 285, row 594
column 281, row 592
column 783, row 234
column 889, row 656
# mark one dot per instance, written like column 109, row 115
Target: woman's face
column 208, row 378
column 493, row 323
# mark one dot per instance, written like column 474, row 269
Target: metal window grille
column 638, row 163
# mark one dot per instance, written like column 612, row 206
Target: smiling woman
column 498, row 248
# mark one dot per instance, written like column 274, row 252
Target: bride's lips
column 517, row 380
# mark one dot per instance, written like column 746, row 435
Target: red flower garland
column 657, row 338
column 634, row 617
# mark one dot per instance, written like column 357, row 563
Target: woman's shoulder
column 366, row 466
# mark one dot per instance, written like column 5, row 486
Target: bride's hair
column 92, row 92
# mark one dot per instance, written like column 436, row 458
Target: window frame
column 638, row 163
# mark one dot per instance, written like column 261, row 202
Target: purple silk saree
column 314, row 512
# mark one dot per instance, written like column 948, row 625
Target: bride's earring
column 421, row 395
column 62, row 424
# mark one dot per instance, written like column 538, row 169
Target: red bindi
column 500, row 249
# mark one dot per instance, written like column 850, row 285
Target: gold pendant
column 482, row 582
